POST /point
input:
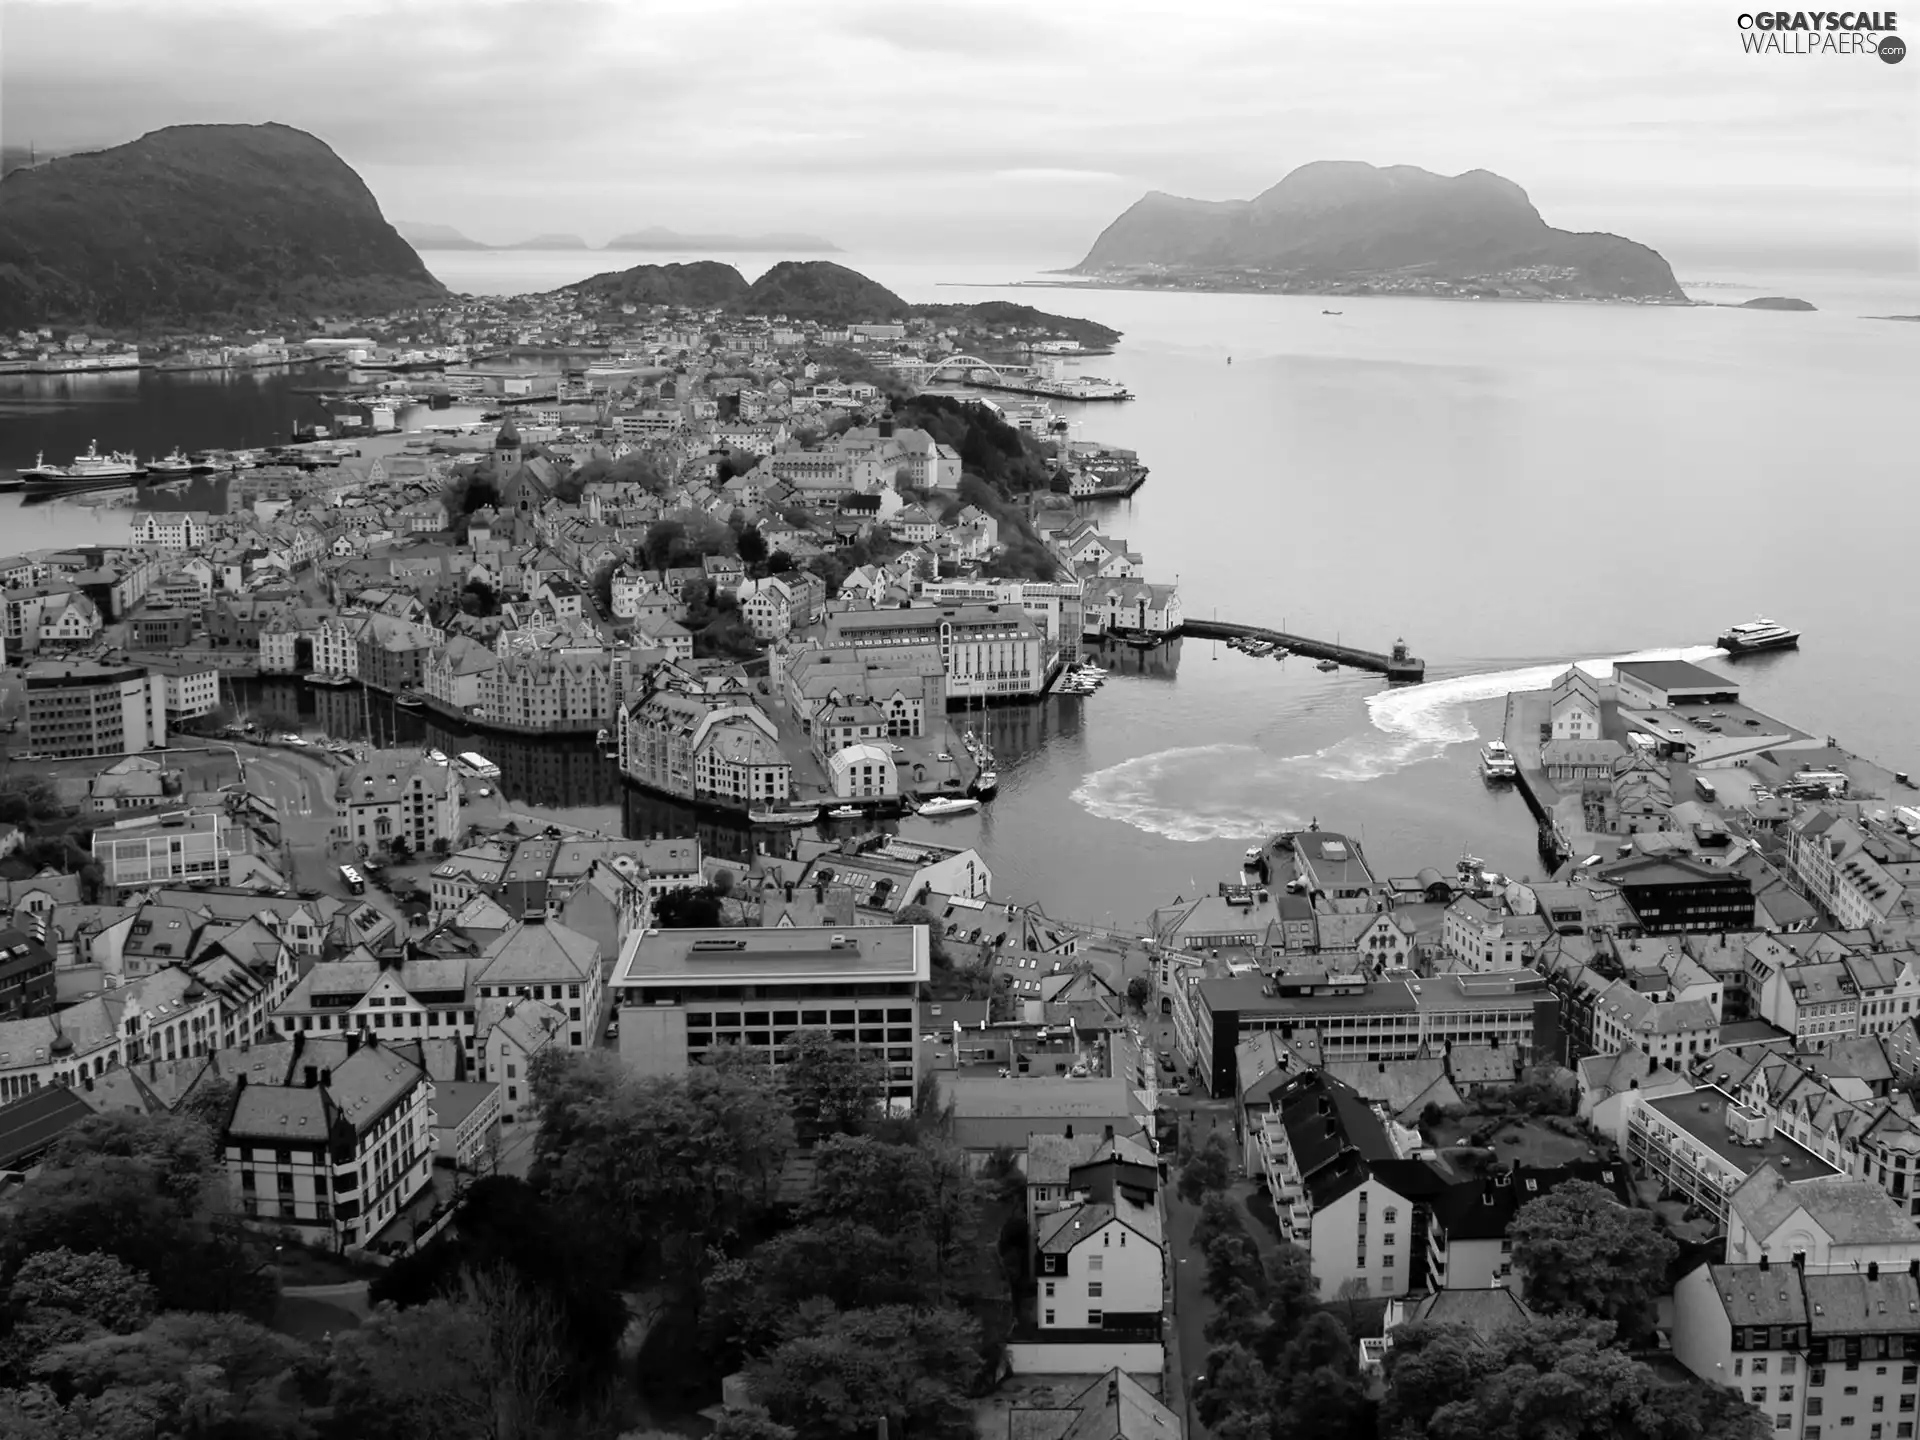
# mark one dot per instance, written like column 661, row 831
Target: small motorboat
column 1328, row 665
column 947, row 805
column 844, row 812
column 409, row 701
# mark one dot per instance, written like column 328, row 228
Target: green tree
column 98, row 1288
column 832, row 1085
column 664, row 538
column 1139, row 992
column 419, row 1374
column 1581, row 1251
column 753, row 545
column 749, row 1425
column 912, row 1367
column 1209, row 1168
column 1558, row 1375
column 688, row 908
column 665, row 1170
column 203, row 1375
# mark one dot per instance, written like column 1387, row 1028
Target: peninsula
column 1346, row 227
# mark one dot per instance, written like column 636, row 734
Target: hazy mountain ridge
column 430, row 235
column 659, row 237
column 200, row 223
column 1348, row 218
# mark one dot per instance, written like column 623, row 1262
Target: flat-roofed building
column 1703, row 1144
column 1662, row 684
column 681, row 993
column 79, row 708
column 1358, row 1018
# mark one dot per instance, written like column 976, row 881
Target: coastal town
column 1312, row 1111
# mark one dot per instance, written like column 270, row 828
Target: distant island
column 814, row 290
column 426, row 235
column 1346, row 227
column 200, row 224
column 658, row 237
column 1776, row 302
column 548, row 242
column 430, row 235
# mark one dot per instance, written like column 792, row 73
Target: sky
column 977, row 127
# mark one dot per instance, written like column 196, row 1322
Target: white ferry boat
column 471, row 762
column 1759, row 634
column 1497, row 762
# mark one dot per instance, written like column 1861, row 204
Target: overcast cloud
column 1002, row 129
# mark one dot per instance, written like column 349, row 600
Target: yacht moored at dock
column 1756, row 635
column 946, row 805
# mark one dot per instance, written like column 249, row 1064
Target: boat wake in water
column 1239, row 792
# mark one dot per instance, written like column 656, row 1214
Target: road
column 1199, row 1118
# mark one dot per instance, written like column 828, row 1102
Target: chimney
column 1069, row 1132
column 1113, row 1388
column 1873, row 1270
column 326, row 1075
column 353, row 1041
column 312, row 1073
column 1763, row 1262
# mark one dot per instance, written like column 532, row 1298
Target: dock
column 1399, row 666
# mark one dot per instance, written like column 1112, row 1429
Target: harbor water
column 1506, row 486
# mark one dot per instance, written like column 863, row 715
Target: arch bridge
column 925, row 372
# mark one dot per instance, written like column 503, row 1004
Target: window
column 1096, row 1263
column 1094, row 1319
column 1049, row 1289
column 1812, row 1432
column 1787, row 1363
column 1390, row 1215
column 1817, row 1375
column 1910, row 1374
column 1815, row 1405
column 1906, row 1404
column 1757, row 1394
column 1759, row 1364
column 1786, row 1392
column 1095, row 1289
column 1049, row 1317
column 1387, row 1240
column 1879, row 1403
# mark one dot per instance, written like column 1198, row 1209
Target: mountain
column 821, row 290
column 547, row 242
column 426, row 235
column 200, row 223
column 1346, row 219
column 699, row 284
column 658, row 237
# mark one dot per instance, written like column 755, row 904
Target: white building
column 1100, row 1256
column 863, row 772
column 333, row 1138
column 1574, row 706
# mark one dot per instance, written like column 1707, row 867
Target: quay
column 1400, row 666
